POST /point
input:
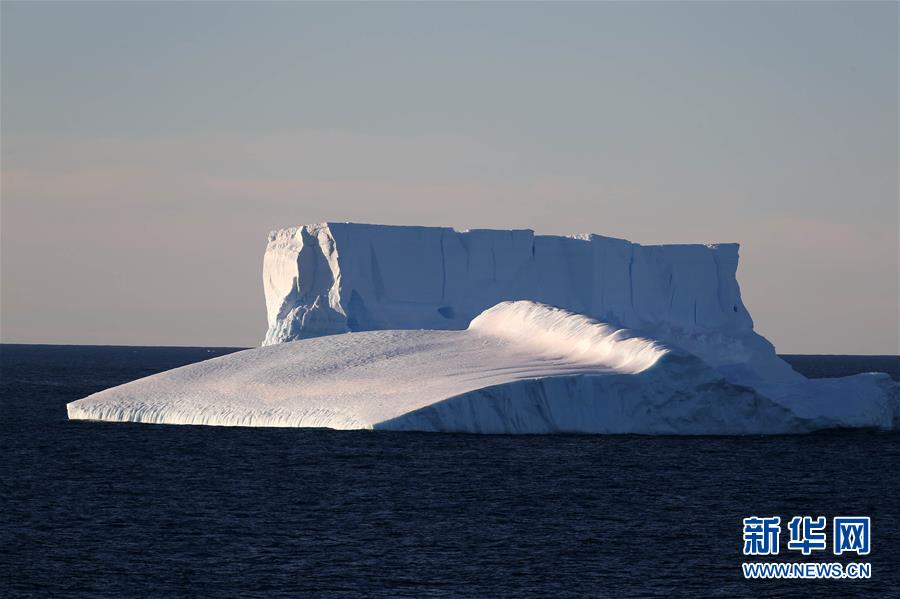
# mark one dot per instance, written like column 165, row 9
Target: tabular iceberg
column 339, row 277
column 430, row 329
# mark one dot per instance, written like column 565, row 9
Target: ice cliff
column 430, row 329
column 339, row 277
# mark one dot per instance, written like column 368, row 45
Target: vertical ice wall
column 338, row 277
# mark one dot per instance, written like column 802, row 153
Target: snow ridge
column 557, row 333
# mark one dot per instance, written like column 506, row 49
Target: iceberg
column 334, row 278
column 430, row 329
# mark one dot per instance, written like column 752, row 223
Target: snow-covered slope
column 333, row 278
column 520, row 367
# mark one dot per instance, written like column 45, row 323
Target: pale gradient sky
column 148, row 148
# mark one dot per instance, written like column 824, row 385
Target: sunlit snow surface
column 520, row 367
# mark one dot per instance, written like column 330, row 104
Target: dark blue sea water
column 101, row 509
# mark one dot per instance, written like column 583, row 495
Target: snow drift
column 519, row 367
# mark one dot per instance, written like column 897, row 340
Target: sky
column 148, row 148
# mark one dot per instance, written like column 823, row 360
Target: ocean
column 111, row 509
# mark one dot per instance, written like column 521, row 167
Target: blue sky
column 148, row 148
